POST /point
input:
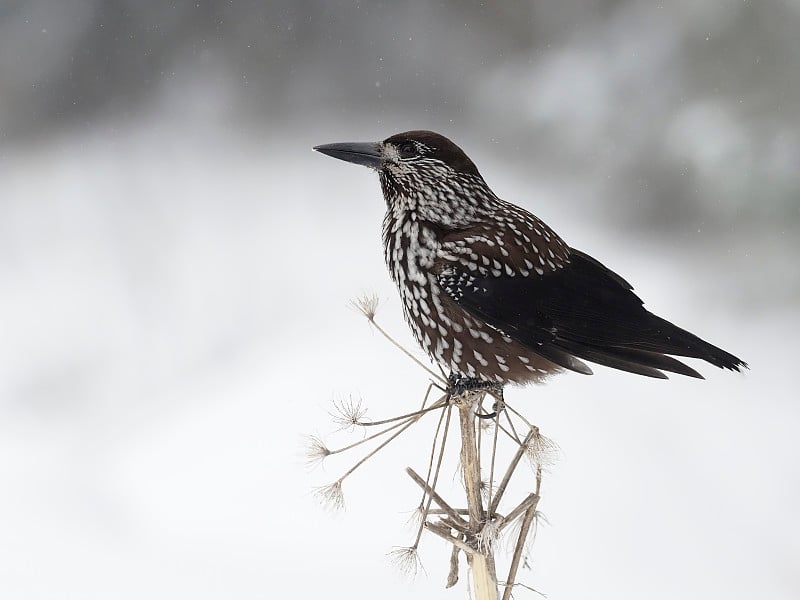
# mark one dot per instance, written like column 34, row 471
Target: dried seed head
column 406, row 560
column 347, row 413
column 416, row 518
column 331, row 496
column 367, row 305
column 316, row 451
column 540, row 450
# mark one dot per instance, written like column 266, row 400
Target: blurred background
column 176, row 265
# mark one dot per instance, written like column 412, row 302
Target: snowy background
column 176, row 266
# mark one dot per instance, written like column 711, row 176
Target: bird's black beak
column 366, row 153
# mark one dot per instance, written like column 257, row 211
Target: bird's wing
column 572, row 306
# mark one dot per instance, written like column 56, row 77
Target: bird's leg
column 459, row 385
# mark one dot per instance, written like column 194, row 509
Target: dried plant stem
column 484, row 579
column 530, row 500
column 510, row 471
column 403, row 421
column 446, row 508
column 521, row 416
column 444, row 533
column 514, row 435
column 372, row 437
column 538, row 479
column 381, row 446
column 470, row 463
column 429, row 488
column 452, row 576
column 474, row 530
column 493, row 505
column 530, row 513
column 440, row 511
column 430, row 372
column 417, row 413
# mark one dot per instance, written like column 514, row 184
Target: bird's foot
column 459, row 386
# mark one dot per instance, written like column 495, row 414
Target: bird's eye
column 407, row 150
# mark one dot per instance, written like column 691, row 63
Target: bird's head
column 423, row 173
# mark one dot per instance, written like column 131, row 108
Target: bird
column 491, row 293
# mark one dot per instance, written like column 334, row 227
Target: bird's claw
column 459, row 386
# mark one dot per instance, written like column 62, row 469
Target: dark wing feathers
column 587, row 311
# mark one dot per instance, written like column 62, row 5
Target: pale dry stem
column 429, row 488
column 510, row 471
column 519, row 551
column 370, row 437
column 522, row 585
column 452, row 575
column 444, row 532
column 427, row 369
column 433, row 495
column 417, row 413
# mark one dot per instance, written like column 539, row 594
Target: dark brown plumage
column 491, row 293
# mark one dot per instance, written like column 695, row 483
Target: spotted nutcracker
column 490, row 292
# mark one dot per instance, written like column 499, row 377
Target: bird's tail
column 666, row 338
column 648, row 353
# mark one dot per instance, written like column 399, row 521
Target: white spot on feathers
column 479, row 357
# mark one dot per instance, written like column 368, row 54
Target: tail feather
column 612, row 359
column 671, row 339
column 642, row 362
column 649, row 352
